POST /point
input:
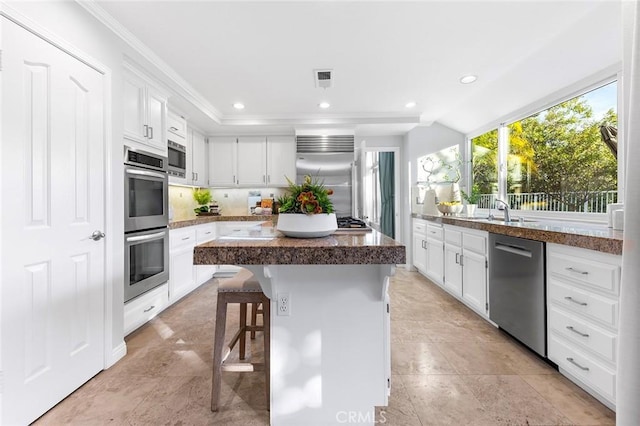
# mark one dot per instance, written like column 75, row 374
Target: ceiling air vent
column 333, row 143
column 324, row 78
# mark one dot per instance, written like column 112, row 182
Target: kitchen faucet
column 507, row 218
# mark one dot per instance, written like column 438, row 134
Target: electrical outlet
column 284, row 304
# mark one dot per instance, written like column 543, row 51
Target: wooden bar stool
column 243, row 288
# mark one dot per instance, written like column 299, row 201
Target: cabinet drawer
column 580, row 331
column 143, row 308
column 582, row 366
column 434, row 232
column 182, row 237
column 177, row 126
column 587, row 271
column 475, row 243
column 419, row 226
column 205, row 233
column 590, row 305
column 453, row 236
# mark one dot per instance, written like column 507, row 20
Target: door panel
column 52, row 195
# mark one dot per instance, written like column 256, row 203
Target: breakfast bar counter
column 330, row 344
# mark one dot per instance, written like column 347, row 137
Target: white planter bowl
column 307, row 225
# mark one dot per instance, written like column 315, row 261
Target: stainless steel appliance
column 517, row 289
column 331, row 160
column 177, row 159
column 146, row 261
column 146, row 238
column 146, row 191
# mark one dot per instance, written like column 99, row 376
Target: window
column 372, row 188
column 484, row 160
column 555, row 160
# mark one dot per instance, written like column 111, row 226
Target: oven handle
column 155, row 236
column 146, row 173
column 520, row 251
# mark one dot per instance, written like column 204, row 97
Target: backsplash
column 181, row 202
column 235, row 203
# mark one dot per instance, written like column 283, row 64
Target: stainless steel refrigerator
column 336, row 171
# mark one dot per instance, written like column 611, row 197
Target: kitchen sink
column 500, row 220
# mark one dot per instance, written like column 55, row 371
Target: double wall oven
column 146, row 237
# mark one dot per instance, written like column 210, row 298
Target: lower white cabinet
column 181, row 273
column 465, row 266
column 204, row 233
column 435, row 253
column 420, row 245
column 582, row 317
column 143, row 308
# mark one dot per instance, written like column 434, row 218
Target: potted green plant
column 471, row 199
column 306, row 211
column 202, row 196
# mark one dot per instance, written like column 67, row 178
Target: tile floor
column 449, row 367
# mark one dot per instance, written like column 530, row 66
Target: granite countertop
column 264, row 245
column 208, row 219
column 577, row 234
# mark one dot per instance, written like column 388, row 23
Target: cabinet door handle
column 571, row 299
column 577, row 365
column 185, row 238
column 149, row 308
column 461, row 258
column 151, row 130
column 234, row 179
column 196, row 177
column 268, row 178
column 458, row 258
column 146, row 131
column 570, row 328
column 173, row 128
column 577, row 271
column 264, row 179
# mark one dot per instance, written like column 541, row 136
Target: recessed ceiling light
column 410, row 105
column 466, row 79
column 238, row 105
column 324, row 105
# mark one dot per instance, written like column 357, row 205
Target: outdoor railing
column 593, row 202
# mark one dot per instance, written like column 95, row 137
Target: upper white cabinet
column 145, row 111
column 222, row 161
column 251, row 161
column 197, row 148
column 176, row 127
column 281, row 160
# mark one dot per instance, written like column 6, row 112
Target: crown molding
column 179, row 85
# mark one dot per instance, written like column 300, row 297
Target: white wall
column 421, row 141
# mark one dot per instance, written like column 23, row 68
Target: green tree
column 485, row 162
column 570, row 161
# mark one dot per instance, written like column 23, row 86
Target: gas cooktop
column 345, row 223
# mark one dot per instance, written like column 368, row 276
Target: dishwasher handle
column 520, row 251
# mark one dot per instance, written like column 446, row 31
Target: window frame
column 578, row 89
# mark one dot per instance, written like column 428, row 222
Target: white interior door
column 52, row 193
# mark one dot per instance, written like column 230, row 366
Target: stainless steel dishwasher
column 517, row 289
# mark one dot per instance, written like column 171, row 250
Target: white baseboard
column 117, row 354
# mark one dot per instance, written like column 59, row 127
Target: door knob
column 97, row 235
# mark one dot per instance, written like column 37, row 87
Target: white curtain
column 628, row 385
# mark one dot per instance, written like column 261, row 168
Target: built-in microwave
column 177, row 159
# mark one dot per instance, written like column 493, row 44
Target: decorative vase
column 455, row 192
column 471, row 210
column 298, row 225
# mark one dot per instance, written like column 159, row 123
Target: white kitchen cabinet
column 145, row 307
column 254, row 161
column 199, row 171
column 251, row 161
column 420, row 245
column 281, row 160
column 181, row 272
column 583, row 288
column 222, row 161
column 435, row 253
column 145, row 111
column 176, row 127
column 465, row 266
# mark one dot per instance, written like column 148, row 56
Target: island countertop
column 264, row 245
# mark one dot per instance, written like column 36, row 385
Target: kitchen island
column 330, row 348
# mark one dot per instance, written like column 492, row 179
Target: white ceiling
column 383, row 54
